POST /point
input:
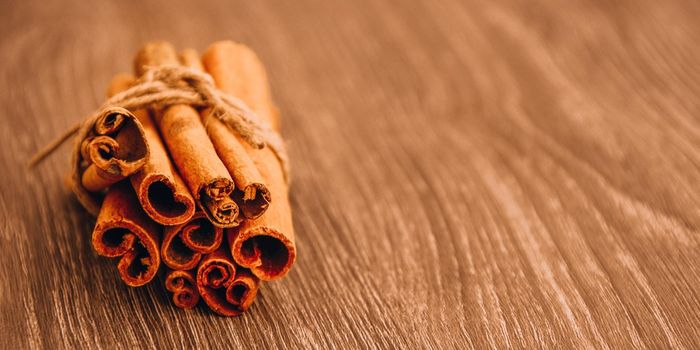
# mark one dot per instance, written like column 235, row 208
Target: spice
column 184, row 245
column 124, row 230
column 207, row 175
column 251, row 194
column 264, row 245
column 190, row 146
column 226, row 288
column 160, row 189
column 114, row 150
column 183, row 286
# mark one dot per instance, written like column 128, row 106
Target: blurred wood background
column 467, row 174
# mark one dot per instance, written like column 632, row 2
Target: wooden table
column 467, row 174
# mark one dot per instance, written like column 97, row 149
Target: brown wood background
column 467, row 174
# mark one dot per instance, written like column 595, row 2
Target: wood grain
column 467, row 174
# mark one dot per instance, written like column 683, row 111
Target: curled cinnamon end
column 215, row 272
column 267, row 253
column 253, row 200
column 222, row 213
column 217, row 205
column 242, row 291
column 123, row 230
column 116, row 150
column 220, row 286
column 164, row 199
column 183, row 286
column 105, row 169
column 183, row 245
column 109, row 122
column 218, row 189
column 200, row 235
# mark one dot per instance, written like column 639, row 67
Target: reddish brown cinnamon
column 226, row 288
column 124, row 230
column 160, row 189
column 242, row 292
column 266, row 244
column 251, row 193
column 183, row 286
column 190, row 146
column 184, row 245
column 115, row 150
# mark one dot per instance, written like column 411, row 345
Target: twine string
column 171, row 85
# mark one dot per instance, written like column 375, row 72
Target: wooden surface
column 466, row 174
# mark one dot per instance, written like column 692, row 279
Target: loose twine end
column 52, row 146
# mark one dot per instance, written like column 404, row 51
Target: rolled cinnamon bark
column 184, row 288
column 116, row 149
column 264, row 245
column 124, row 230
column 227, row 289
column 183, row 245
column 190, row 147
column 159, row 188
column 242, row 292
column 251, row 194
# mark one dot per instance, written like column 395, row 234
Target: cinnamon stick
column 264, row 245
column 227, row 289
column 115, row 149
column 124, row 230
column 184, row 288
column 183, row 245
column 159, row 188
column 251, row 193
column 190, row 147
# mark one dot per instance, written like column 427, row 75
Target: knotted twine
column 164, row 86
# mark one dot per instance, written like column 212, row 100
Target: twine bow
column 171, row 85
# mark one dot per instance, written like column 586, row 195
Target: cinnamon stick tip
column 266, row 252
column 183, row 286
column 227, row 44
column 163, row 203
column 154, row 53
column 139, row 254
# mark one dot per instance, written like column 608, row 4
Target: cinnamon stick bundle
column 124, row 230
column 184, row 245
column 114, row 150
column 196, row 176
column 159, row 188
column 227, row 289
column 183, row 286
column 251, row 194
column 190, row 146
column 264, row 245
